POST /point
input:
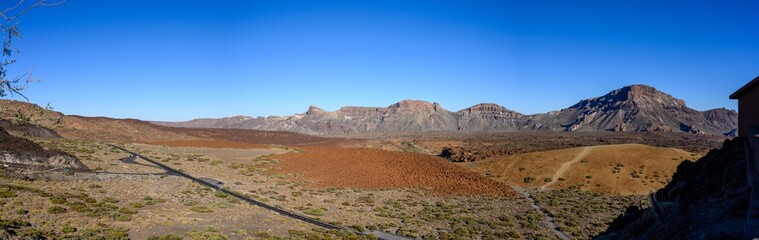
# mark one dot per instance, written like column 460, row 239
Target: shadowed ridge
column 706, row 199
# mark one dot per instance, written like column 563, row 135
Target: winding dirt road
column 565, row 166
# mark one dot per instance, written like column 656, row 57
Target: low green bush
column 56, row 210
column 315, row 212
column 201, row 209
column 166, row 237
column 529, row 179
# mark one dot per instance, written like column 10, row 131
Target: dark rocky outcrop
column 631, row 108
column 22, row 151
column 706, row 199
column 457, row 155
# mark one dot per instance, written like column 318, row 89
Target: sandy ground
column 625, row 169
column 210, row 144
column 565, row 166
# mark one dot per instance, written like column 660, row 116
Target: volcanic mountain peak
column 314, row 110
column 641, row 88
column 240, row 118
column 415, row 106
column 641, row 95
column 486, row 107
column 643, row 92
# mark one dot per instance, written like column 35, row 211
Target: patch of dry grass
column 627, row 169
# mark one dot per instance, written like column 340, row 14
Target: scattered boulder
column 457, row 155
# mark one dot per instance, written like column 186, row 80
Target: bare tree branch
column 3, row 13
column 14, row 87
column 10, row 31
column 40, row 3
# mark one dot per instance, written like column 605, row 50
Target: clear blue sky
column 178, row 60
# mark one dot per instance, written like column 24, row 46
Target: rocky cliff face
column 404, row 116
column 486, row 117
column 707, row 199
column 631, row 108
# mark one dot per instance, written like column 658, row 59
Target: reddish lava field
column 379, row 169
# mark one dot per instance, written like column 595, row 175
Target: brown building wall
column 748, row 111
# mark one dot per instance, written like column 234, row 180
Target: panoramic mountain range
column 631, row 108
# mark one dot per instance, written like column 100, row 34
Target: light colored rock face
column 62, row 160
column 57, row 160
column 631, row 108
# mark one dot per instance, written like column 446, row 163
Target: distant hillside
column 133, row 130
column 91, row 128
column 404, row 116
column 631, row 108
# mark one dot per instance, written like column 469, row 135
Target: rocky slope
column 707, row 199
column 21, row 151
column 631, row 108
column 84, row 128
column 486, row 117
column 639, row 108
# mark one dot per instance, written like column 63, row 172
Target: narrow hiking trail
column 549, row 220
column 565, row 166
